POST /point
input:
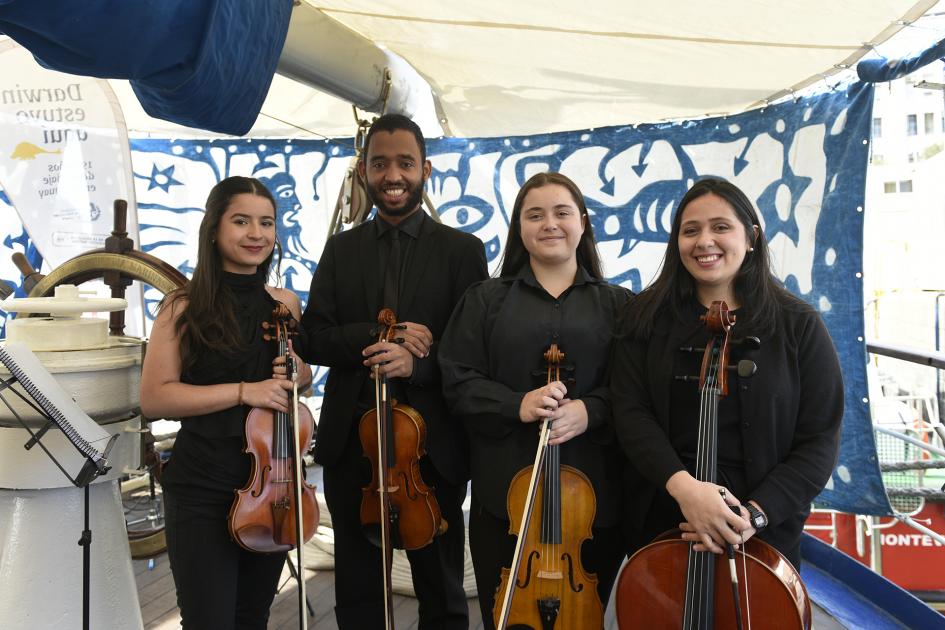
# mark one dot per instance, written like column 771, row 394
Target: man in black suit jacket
column 404, row 260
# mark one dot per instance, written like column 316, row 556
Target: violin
column 668, row 584
column 551, row 509
column 265, row 515
column 398, row 509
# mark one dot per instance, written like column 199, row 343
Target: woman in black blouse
column 550, row 290
column 208, row 364
column 779, row 430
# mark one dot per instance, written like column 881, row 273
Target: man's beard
column 414, row 196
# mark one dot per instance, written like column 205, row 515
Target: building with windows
column 904, row 239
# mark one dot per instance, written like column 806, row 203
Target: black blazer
column 342, row 313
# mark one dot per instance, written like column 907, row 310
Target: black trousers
column 437, row 569
column 219, row 584
column 492, row 548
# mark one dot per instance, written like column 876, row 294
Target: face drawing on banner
column 297, row 264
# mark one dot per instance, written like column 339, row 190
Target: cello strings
column 705, row 465
column 702, row 474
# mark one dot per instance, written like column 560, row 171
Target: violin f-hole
column 528, row 570
column 577, row 588
column 263, row 482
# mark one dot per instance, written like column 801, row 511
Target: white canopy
column 529, row 66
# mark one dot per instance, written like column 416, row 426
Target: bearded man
column 406, row 261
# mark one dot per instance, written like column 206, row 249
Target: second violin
column 398, row 509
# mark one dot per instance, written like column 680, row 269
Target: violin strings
column 556, row 500
column 280, row 436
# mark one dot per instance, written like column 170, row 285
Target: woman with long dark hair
column 550, row 291
column 778, row 431
column 208, row 365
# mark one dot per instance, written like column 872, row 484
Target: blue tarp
column 205, row 64
column 879, row 70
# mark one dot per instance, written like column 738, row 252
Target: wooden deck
column 159, row 604
column 158, row 599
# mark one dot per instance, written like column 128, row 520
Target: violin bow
column 292, row 373
column 553, row 364
column 386, row 320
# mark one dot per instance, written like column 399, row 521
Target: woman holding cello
column 550, row 292
column 208, row 364
column 778, row 430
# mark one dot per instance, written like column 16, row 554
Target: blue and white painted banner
column 803, row 163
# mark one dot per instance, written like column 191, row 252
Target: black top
column 492, row 354
column 790, row 414
column 208, row 453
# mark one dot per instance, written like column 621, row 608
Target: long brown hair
column 755, row 287
column 207, row 321
column 516, row 256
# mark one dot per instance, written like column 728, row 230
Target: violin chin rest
column 258, row 538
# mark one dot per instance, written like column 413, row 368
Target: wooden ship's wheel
column 99, row 263
column 118, row 264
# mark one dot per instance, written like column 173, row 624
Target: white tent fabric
column 528, row 67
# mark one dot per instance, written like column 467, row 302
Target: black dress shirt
column 409, row 228
column 492, row 354
column 409, row 233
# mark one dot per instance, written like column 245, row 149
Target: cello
column 398, row 509
column 668, row 584
column 546, row 586
column 264, row 516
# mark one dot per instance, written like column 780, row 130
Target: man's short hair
column 391, row 123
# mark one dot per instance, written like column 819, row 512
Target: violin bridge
column 550, row 575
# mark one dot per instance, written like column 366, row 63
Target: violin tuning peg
column 692, row 349
column 686, row 378
column 267, row 337
column 749, row 343
column 266, row 325
column 744, row 368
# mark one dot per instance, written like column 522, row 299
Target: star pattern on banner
column 163, row 178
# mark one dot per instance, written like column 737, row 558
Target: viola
column 398, row 509
column 551, row 509
column 668, row 584
column 265, row 515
